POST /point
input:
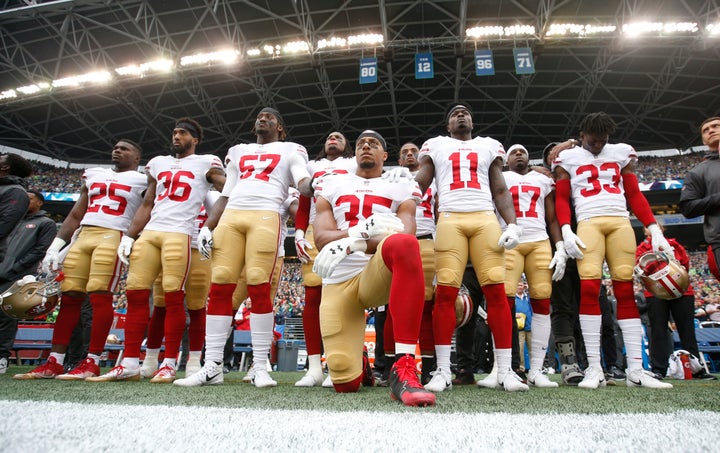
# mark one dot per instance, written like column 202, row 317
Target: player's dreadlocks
column 347, row 152
column 599, row 124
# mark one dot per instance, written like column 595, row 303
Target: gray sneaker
column 571, row 374
column 3, row 365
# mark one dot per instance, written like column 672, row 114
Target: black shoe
column 464, row 377
column 658, row 375
column 428, row 365
column 368, row 379
column 405, row 386
column 704, row 375
column 226, row 369
column 616, row 373
column 521, row 374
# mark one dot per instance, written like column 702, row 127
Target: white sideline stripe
column 31, row 426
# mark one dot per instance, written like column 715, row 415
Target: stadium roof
column 658, row 86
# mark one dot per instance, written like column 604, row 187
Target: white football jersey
column 595, row 181
column 264, row 174
column 461, row 171
column 210, row 198
column 293, row 196
column 528, row 193
column 181, row 188
column 425, row 211
column 319, row 168
column 113, row 197
column 354, row 198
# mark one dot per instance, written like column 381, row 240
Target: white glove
column 559, row 261
column 659, row 243
column 52, row 256
column 205, row 242
column 380, row 224
column 334, row 252
column 572, row 243
column 301, row 247
column 398, row 174
column 510, row 237
column 124, row 249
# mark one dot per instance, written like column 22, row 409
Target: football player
column 246, row 236
column 468, row 174
column 363, row 264
column 534, row 200
column 600, row 178
column 196, row 291
column 335, row 157
column 177, row 185
column 108, row 200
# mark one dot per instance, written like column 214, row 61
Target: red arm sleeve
column 562, row 201
column 638, row 202
column 302, row 217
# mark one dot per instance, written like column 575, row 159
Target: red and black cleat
column 405, row 386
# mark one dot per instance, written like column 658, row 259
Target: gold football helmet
column 463, row 308
column 664, row 277
column 29, row 298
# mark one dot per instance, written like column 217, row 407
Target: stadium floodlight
column 364, row 39
column 578, row 30
column 296, row 47
column 7, row 94
column 713, row 29
column 333, row 42
column 226, row 56
column 90, row 77
column 499, row 31
column 253, row 52
column 641, row 28
column 161, row 65
column 34, row 88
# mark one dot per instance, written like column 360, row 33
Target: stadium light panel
column 91, row 77
column 253, row 52
column 227, row 56
column 364, row 39
column 642, row 28
column 333, row 42
column 296, row 47
column 161, row 65
column 499, row 31
column 7, row 94
column 34, row 88
column 578, row 30
column 713, row 29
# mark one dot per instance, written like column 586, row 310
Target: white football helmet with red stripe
column 664, row 277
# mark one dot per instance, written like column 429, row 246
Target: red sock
column 311, row 320
column 136, row 321
column 156, row 328
column 220, row 301
column 401, row 254
column 102, row 320
column 427, row 341
column 625, row 295
column 499, row 317
column 196, row 330
column 349, row 387
column 540, row 306
column 590, row 297
column 260, row 297
column 443, row 315
column 175, row 321
column 67, row 319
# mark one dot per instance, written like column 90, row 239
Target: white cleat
column 441, row 380
column 641, row 378
column 490, row 381
column 250, row 375
column 594, row 378
column 262, row 379
column 538, row 379
column 327, row 383
column 210, row 374
column 511, row 382
column 310, row 379
column 148, row 368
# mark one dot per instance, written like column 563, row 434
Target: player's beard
column 181, row 148
column 367, row 165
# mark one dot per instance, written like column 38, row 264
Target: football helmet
column 463, row 308
column 31, row 297
column 664, row 277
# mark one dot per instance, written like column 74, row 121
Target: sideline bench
column 38, row 339
column 708, row 340
column 242, row 344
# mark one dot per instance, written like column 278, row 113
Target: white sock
column 217, row 329
column 130, row 362
column 404, row 348
column 59, row 358
column 261, row 332
column 169, row 362
column 590, row 325
column 314, row 364
column 95, row 358
column 503, row 360
column 194, row 355
column 442, row 354
column 632, row 336
column 151, row 356
column 540, row 338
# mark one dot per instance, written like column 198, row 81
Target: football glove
column 510, row 237
column 398, row 174
column 302, row 246
column 205, row 242
column 572, row 243
column 124, row 249
column 659, row 243
column 52, row 260
column 559, row 261
column 334, row 252
column 380, row 224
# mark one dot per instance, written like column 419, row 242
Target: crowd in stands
column 47, row 178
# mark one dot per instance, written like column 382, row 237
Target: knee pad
column 449, row 277
column 256, row 276
column 623, row 272
column 495, row 275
